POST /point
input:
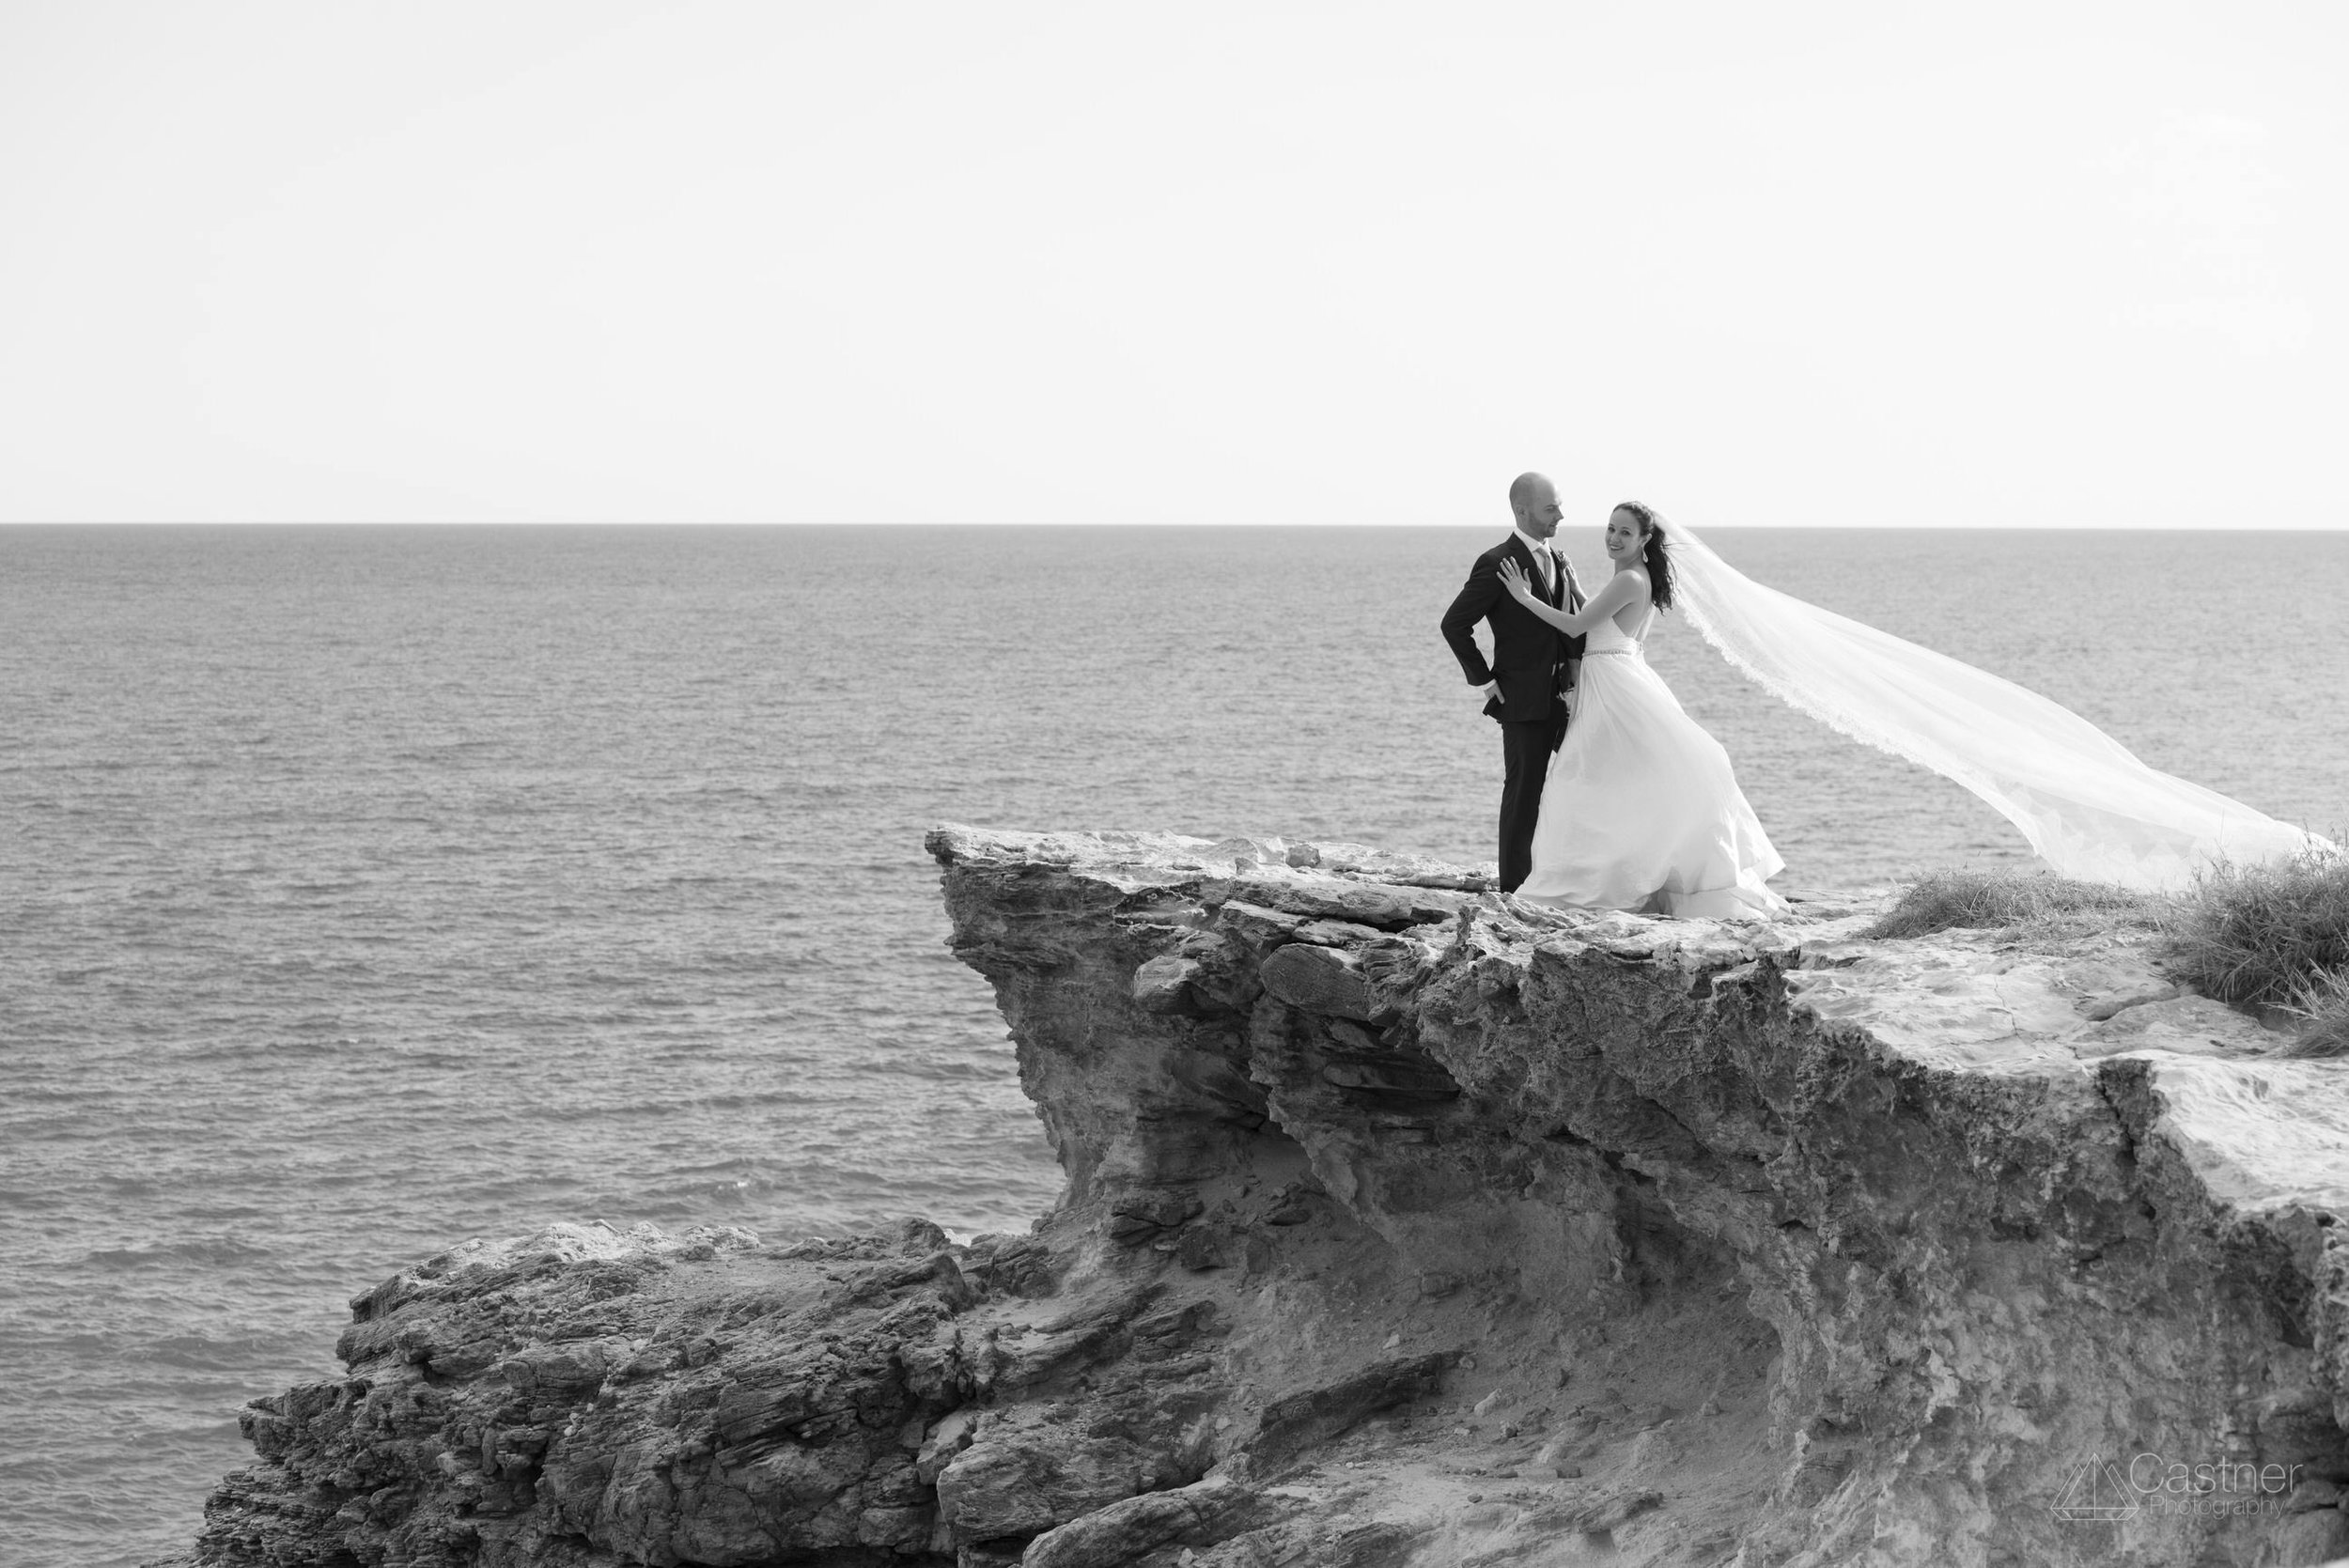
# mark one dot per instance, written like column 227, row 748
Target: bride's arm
column 1623, row 588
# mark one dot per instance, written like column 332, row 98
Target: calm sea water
column 365, row 890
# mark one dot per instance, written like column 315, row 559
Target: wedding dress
column 1641, row 810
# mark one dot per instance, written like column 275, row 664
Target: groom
column 1532, row 664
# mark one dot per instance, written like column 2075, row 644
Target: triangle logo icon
column 2096, row 1491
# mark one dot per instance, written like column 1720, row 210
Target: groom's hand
column 1490, row 691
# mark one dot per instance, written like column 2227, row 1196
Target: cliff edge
column 1411, row 1224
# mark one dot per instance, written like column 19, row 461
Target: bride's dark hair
column 1659, row 563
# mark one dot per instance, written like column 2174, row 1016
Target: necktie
column 1550, row 570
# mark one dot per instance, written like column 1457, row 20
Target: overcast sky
column 1852, row 264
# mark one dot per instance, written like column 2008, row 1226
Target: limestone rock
column 1124, row 1531
column 1319, row 980
column 1296, row 1423
column 1843, row 1250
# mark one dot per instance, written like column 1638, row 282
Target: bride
column 1641, row 810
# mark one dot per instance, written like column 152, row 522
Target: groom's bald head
column 1535, row 500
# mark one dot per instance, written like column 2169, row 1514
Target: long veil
column 2088, row 806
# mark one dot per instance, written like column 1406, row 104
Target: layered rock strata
column 1407, row 1224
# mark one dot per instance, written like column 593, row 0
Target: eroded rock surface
column 1407, row 1223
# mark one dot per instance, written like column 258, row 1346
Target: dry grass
column 2271, row 937
column 2323, row 1005
column 2263, row 936
column 2011, row 898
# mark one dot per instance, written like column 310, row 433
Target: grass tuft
column 1999, row 899
column 2323, row 1005
column 2271, row 937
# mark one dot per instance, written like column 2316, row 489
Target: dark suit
column 1531, row 662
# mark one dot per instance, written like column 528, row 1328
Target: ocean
column 365, row 890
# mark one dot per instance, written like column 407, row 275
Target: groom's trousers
column 1525, row 750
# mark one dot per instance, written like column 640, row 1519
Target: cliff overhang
column 1407, row 1222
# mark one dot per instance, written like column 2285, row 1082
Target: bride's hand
column 1514, row 579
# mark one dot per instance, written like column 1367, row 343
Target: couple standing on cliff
column 1613, row 797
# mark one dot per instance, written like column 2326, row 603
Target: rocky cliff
column 1409, row 1224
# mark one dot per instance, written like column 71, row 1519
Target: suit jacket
column 1531, row 658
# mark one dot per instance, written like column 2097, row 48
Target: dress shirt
column 1543, row 558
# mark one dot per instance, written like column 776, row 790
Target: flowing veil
column 2088, row 806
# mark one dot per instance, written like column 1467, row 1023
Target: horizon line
column 1202, row 522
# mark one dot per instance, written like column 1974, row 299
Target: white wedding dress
column 1641, row 810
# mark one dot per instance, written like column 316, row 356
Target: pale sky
column 1860, row 264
